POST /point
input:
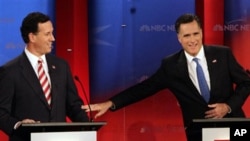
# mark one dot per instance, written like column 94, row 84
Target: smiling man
column 37, row 86
column 201, row 77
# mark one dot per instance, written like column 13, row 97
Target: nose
column 192, row 38
column 52, row 37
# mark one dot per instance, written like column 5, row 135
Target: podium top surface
column 62, row 126
column 221, row 120
column 58, row 124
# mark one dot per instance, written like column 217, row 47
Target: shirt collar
column 32, row 58
column 200, row 55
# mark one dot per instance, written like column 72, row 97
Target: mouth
column 50, row 46
column 192, row 46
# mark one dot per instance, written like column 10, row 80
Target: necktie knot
column 196, row 60
column 40, row 61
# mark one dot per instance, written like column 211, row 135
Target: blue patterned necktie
column 202, row 81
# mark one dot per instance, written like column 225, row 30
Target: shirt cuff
column 17, row 125
column 229, row 109
column 113, row 107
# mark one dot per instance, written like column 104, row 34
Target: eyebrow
column 195, row 33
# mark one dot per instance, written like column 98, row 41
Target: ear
column 179, row 38
column 32, row 37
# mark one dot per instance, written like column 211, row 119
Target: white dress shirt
column 192, row 67
column 34, row 62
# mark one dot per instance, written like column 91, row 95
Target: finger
column 210, row 116
column 207, row 117
column 209, row 112
column 99, row 114
column 212, row 105
column 28, row 121
column 91, row 107
column 217, row 117
column 94, row 107
column 86, row 108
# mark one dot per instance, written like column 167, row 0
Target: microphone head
column 248, row 71
column 76, row 78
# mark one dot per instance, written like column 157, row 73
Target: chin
column 49, row 51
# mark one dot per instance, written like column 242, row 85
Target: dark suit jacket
column 224, row 72
column 21, row 94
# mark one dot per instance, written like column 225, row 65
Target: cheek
column 180, row 40
column 183, row 42
column 199, row 38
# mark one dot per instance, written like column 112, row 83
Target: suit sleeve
column 7, row 122
column 140, row 91
column 241, row 81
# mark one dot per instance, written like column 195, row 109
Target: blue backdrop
column 11, row 15
column 128, row 39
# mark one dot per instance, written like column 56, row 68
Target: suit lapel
column 212, row 64
column 183, row 69
column 53, row 77
column 31, row 77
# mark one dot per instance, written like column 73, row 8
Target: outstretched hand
column 100, row 108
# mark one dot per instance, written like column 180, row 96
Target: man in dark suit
column 178, row 74
column 22, row 96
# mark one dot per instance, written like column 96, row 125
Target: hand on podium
column 100, row 108
column 25, row 121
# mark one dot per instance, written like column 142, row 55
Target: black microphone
column 248, row 71
column 84, row 92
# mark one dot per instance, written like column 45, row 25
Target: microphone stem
column 84, row 93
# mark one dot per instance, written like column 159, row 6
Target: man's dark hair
column 30, row 24
column 186, row 18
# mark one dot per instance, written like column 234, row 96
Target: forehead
column 189, row 27
column 45, row 27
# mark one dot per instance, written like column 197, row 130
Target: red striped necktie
column 44, row 81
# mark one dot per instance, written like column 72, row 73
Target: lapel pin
column 214, row 61
column 53, row 67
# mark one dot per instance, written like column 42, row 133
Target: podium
column 61, row 131
column 225, row 129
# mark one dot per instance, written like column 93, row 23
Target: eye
column 186, row 35
column 49, row 34
column 197, row 33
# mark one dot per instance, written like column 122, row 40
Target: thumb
column 100, row 113
column 212, row 105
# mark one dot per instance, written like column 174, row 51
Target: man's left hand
column 218, row 110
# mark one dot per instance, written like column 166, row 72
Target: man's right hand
column 101, row 108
